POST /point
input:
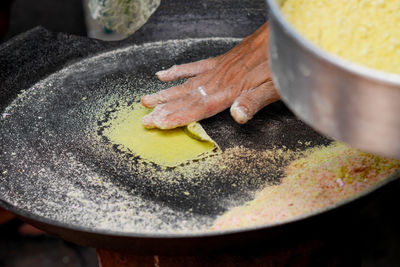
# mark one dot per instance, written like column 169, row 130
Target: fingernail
column 161, row 123
column 160, row 73
column 143, row 100
column 240, row 113
column 150, row 101
column 148, row 121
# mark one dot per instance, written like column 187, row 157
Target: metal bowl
column 339, row 98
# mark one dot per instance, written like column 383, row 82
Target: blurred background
column 70, row 16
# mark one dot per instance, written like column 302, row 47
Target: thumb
column 251, row 101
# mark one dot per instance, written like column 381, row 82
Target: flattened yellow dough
column 163, row 147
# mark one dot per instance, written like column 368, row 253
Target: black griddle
column 45, row 147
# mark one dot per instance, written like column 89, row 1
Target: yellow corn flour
column 163, row 147
column 363, row 31
column 322, row 178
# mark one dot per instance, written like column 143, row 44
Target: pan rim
column 197, row 234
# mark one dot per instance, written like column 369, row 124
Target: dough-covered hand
column 240, row 79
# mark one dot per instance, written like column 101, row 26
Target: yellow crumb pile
column 322, row 178
column 363, row 31
column 163, row 147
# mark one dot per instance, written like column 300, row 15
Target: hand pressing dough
column 163, row 147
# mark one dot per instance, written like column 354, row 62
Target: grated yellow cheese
column 363, row 31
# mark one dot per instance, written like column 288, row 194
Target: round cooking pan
column 59, row 173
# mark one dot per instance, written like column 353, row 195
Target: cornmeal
column 322, row 178
column 163, row 147
column 365, row 32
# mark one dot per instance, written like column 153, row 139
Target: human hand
column 240, row 79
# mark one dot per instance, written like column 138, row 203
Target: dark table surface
column 373, row 237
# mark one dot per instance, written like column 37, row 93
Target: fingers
column 186, row 70
column 171, row 115
column 226, row 78
column 174, row 73
column 184, row 111
column 251, row 101
column 183, row 105
column 168, row 95
column 257, row 76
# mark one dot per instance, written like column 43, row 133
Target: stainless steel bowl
column 340, row 99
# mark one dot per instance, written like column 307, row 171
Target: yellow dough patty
column 163, row 147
